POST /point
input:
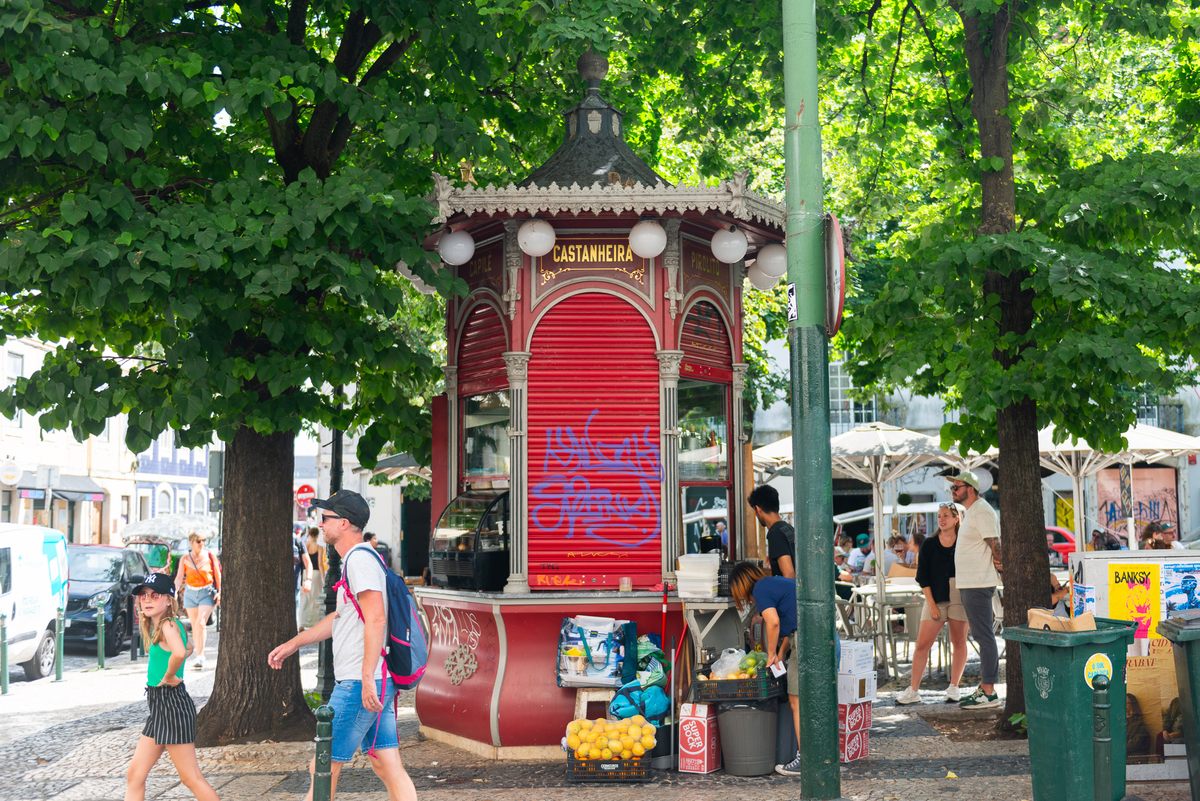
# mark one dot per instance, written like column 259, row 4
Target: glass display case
column 469, row 548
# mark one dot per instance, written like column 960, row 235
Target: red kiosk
column 593, row 399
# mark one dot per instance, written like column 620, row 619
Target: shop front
column 593, row 405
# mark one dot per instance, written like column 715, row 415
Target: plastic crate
column 608, row 770
column 759, row 688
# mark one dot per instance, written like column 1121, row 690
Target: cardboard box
column 854, row 717
column 1045, row 619
column 699, row 739
column 854, row 688
column 853, row 745
column 856, row 657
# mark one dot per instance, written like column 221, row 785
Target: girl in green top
column 171, row 725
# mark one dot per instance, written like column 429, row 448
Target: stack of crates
column 856, row 694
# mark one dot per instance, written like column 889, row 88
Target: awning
column 67, row 487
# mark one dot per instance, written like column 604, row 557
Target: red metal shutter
column 704, row 337
column 595, row 468
column 480, row 366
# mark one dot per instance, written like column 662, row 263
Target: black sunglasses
column 331, row 517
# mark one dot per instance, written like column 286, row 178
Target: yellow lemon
column 648, row 730
column 614, row 745
column 626, row 754
column 648, row 742
column 637, row 720
column 580, row 754
column 573, row 741
column 626, row 743
column 606, row 754
column 638, row 749
column 573, row 727
column 584, row 725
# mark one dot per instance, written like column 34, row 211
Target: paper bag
column 1046, row 620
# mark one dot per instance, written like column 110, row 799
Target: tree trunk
column 251, row 702
column 1023, row 544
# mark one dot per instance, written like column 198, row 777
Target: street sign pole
column 813, row 478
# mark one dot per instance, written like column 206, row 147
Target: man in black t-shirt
column 781, row 537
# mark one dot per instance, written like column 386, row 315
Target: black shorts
column 172, row 719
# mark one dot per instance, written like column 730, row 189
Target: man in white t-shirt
column 363, row 715
column 976, row 574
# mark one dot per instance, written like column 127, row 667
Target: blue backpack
column 406, row 650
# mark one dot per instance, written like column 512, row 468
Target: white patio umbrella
column 1077, row 460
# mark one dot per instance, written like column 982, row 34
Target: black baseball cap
column 347, row 503
column 159, row 582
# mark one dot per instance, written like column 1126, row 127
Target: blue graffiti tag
column 578, row 493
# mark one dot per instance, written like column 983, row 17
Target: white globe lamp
column 761, row 280
column 535, row 237
column 729, row 246
column 456, row 247
column 772, row 260
column 647, row 239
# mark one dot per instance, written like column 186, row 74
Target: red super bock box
column 853, row 745
column 699, row 740
column 854, row 717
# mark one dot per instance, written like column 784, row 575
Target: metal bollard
column 58, row 644
column 135, row 643
column 1101, row 740
column 322, row 776
column 3, row 654
column 100, row 636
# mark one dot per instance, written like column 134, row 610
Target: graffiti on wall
column 1155, row 499
column 604, row 490
column 452, row 628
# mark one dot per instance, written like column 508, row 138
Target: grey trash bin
column 748, row 736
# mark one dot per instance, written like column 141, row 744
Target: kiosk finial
column 592, row 68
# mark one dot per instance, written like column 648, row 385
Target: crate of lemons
column 748, row 667
column 601, row 739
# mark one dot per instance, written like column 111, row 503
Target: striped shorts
column 172, row 719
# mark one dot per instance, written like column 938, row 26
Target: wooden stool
column 589, row 695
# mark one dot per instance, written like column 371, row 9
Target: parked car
column 101, row 574
column 157, row 551
column 33, row 586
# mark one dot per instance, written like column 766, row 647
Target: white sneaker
column 953, row 694
column 908, row 696
column 198, row 664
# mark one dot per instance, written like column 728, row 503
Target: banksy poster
column 1135, row 593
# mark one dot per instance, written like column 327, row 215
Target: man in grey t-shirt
column 976, row 571
column 358, row 628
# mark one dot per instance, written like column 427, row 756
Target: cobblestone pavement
column 83, row 754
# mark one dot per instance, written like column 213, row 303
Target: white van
column 33, row 587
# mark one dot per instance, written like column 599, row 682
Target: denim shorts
column 194, row 597
column 355, row 727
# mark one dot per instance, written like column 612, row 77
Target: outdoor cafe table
column 897, row 592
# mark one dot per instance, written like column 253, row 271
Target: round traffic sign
column 304, row 494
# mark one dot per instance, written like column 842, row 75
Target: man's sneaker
column 953, row 695
column 908, row 696
column 790, row 769
column 980, row 700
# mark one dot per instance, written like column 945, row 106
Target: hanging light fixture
column 535, row 237
column 647, row 239
column 729, row 246
column 761, row 280
column 772, row 260
column 456, row 247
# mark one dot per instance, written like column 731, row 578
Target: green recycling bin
column 1183, row 630
column 1057, row 668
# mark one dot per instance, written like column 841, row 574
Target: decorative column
column 672, row 259
column 738, row 438
column 512, row 267
column 452, row 431
column 518, row 474
column 669, row 362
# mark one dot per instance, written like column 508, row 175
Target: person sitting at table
column 842, row 577
column 773, row 597
column 914, row 548
column 858, row 557
column 935, row 576
column 1056, row 560
column 896, row 553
